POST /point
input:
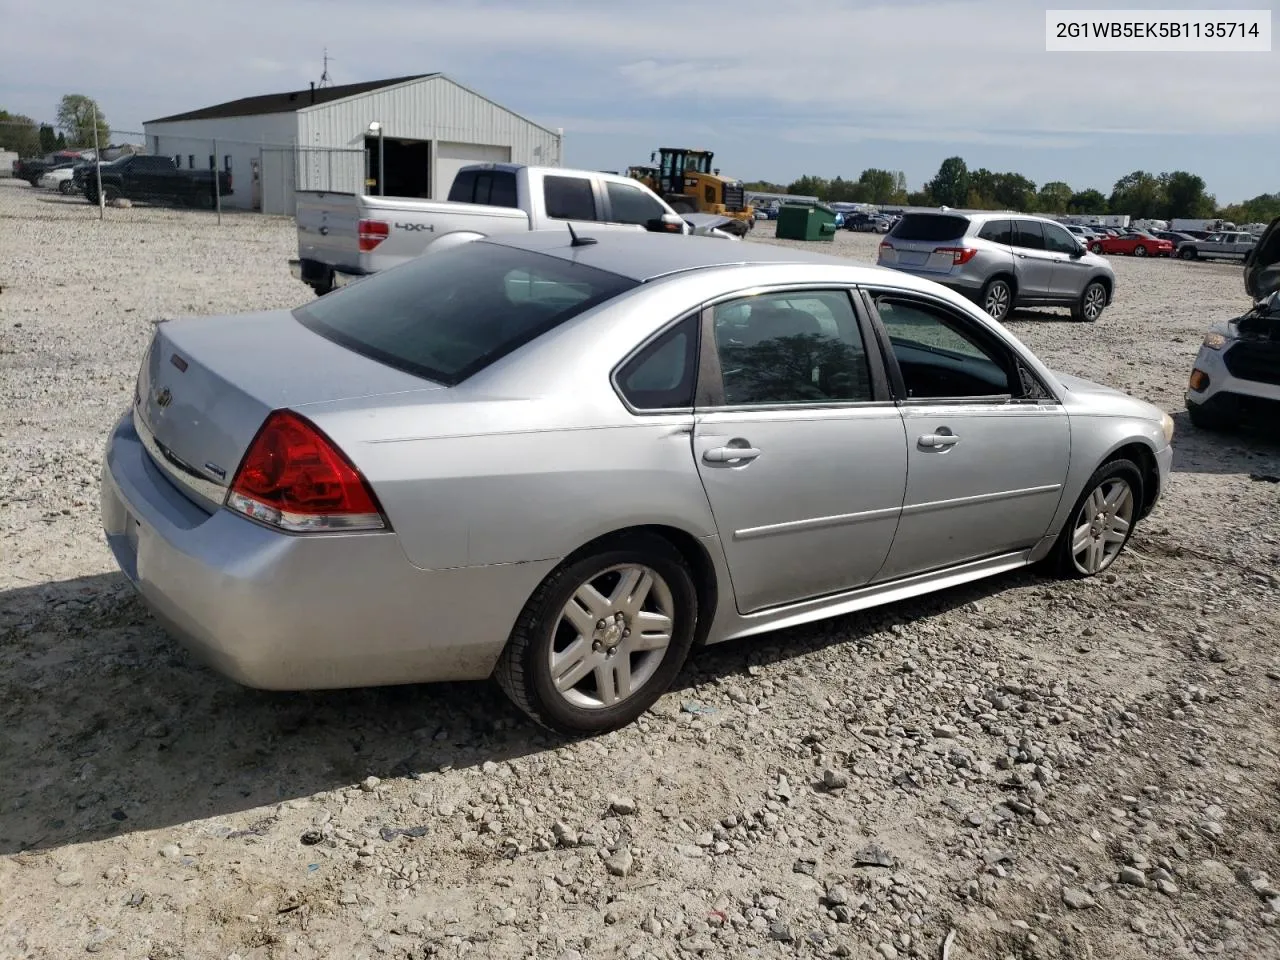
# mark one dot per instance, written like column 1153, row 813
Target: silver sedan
column 564, row 463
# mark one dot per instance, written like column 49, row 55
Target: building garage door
column 452, row 157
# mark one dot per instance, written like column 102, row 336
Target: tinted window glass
column 447, row 315
column 496, row 188
column 1028, row 234
column 1059, row 240
column 791, row 348
column 997, row 231
column 662, row 375
column 569, row 198
column 930, row 227
column 632, row 205
column 938, row 357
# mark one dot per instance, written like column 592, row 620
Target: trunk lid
column 208, row 383
column 1262, row 264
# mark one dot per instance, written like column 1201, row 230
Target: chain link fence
column 224, row 175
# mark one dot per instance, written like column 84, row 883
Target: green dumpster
column 797, row 222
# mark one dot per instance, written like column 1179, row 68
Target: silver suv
column 1001, row 261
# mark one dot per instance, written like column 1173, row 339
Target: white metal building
column 320, row 139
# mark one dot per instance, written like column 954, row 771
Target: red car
column 1132, row 244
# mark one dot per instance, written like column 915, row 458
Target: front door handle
column 936, row 441
column 730, row 454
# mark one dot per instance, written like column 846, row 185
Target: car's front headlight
column 1166, row 424
column 1215, row 341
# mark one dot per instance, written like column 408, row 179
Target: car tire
column 1095, row 248
column 110, row 193
column 66, row 187
column 1092, row 302
column 1140, row 251
column 1187, row 253
column 1209, row 420
column 579, row 704
column 997, row 299
column 1107, row 509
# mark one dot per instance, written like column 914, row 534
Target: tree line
column 73, row 129
column 1141, row 195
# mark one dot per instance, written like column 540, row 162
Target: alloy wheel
column 1102, row 526
column 1095, row 300
column 996, row 300
column 611, row 636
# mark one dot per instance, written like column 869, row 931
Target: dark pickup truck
column 155, row 179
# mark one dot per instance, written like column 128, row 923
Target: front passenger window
column 1058, row 240
column 938, row 358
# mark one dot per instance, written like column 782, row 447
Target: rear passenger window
column 569, row 198
column 662, row 375
column 997, row 231
column 787, row 348
column 1028, row 235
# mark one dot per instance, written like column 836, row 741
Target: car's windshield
column 448, row 315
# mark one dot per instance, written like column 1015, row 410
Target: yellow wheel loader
column 685, row 178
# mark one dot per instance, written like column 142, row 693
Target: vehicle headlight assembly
column 1215, row 341
column 1166, row 424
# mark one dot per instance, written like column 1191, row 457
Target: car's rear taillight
column 959, row 255
column 885, row 245
column 295, row 478
column 372, row 233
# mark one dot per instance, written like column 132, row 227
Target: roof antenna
column 579, row 241
column 325, row 79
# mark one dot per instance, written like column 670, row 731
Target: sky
column 777, row 90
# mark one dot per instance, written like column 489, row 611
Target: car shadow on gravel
column 108, row 727
column 1253, row 452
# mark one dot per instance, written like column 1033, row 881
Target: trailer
column 1210, row 225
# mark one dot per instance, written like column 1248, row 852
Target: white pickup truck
column 342, row 236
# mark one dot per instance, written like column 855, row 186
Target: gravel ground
column 1028, row 768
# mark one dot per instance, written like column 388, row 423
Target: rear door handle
column 934, row 441
column 729, row 454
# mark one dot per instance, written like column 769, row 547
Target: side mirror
column 667, row 223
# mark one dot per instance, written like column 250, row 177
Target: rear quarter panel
column 511, row 480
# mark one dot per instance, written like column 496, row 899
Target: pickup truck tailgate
column 327, row 230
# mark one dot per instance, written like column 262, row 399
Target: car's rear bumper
column 312, row 271
column 964, row 284
column 287, row 612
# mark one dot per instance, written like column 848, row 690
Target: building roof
column 288, row 102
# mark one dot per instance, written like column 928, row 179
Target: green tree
column 1054, row 197
column 920, row 198
column 809, row 186
column 950, row 187
column 48, row 138
column 1087, row 201
column 883, row 186
column 19, row 134
column 764, row 186
column 76, row 114
column 1015, row 192
column 1138, row 194
column 1261, row 209
column 1185, row 196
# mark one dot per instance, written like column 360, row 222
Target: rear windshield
column 496, row 188
column 930, row 226
column 448, row 315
